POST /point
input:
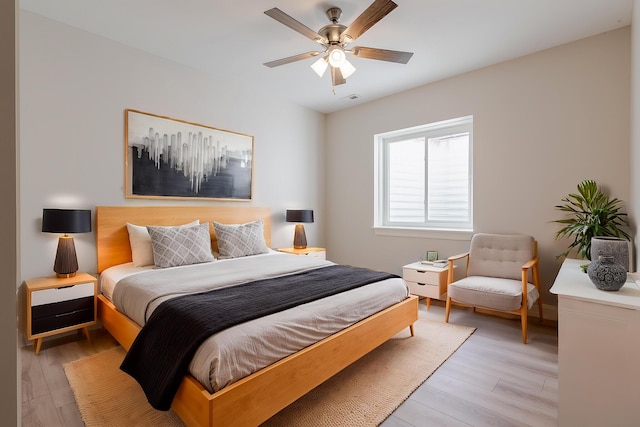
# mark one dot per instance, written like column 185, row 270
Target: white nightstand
column 56, row 305
column 315, row 252
column 426, row 281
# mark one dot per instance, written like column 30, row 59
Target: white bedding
column 243, row 349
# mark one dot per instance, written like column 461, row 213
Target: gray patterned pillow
column 140, row 242
column 174, row 246
column 237, row 240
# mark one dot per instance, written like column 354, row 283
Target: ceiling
column 231, row 40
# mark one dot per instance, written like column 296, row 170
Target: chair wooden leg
column 447, row 309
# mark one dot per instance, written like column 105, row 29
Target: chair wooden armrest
column 453, row 258
column 530, row 263
column 533, row 265
column 456, row 257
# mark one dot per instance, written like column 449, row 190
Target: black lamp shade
column 301, row 215
column 66, row 221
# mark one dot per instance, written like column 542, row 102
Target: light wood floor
column 47, row 399
column 492, row 380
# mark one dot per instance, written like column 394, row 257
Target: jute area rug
column 363, row 394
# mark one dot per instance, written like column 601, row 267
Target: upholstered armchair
column 501, row 275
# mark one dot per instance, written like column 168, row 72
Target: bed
column 256, row 397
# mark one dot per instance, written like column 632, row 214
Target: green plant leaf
column 590, row 213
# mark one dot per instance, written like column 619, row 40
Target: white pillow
column 237, row 240
column 175, row 246
column 140, row 242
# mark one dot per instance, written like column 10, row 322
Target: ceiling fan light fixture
column 337, row 57
column 320, row 66
column 335, row 37
column 347, row 69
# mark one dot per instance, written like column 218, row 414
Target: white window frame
column 381, row 225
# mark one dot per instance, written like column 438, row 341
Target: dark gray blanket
column 160, row 355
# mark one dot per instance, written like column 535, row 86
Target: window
column 423, row 177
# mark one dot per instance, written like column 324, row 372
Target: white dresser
column 598, row 351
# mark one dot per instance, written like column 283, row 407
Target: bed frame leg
column 411, row 329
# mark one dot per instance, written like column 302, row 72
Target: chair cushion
column 499, row 255
column 492, row 292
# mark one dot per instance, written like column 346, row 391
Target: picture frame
column 167, row 158
column 432, row 256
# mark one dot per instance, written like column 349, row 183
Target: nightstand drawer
column 48, row 296
column 425, row 289
column 423, row 276
column 58, row 315
column 318, row 254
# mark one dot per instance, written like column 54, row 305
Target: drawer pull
column 68, row 314
column 422, row 284
column 65, row 287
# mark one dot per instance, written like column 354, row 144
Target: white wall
column 635, row 123
column 75, row 87
column 10, row 366
column 542, row 123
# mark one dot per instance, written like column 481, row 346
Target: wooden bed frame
column 256, row 398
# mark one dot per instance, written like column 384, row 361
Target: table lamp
column 299, row 216
column 66, row 221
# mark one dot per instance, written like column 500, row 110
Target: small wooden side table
column 56, row 305
column 426, row 281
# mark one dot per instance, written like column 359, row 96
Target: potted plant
column 590, row 213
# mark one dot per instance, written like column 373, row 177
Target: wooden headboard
column 112, row 238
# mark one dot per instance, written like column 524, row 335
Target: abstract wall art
column 171, row 158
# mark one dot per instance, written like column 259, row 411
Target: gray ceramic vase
column 606, row 274
column 611, row 246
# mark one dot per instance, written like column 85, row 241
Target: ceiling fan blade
column 336, row 76
column 291, row 59
column 381, row 54
column 367, row 19
column 285, row 19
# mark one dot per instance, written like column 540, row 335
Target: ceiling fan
column 335, row 37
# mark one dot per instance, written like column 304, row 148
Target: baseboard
column 550, row 312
